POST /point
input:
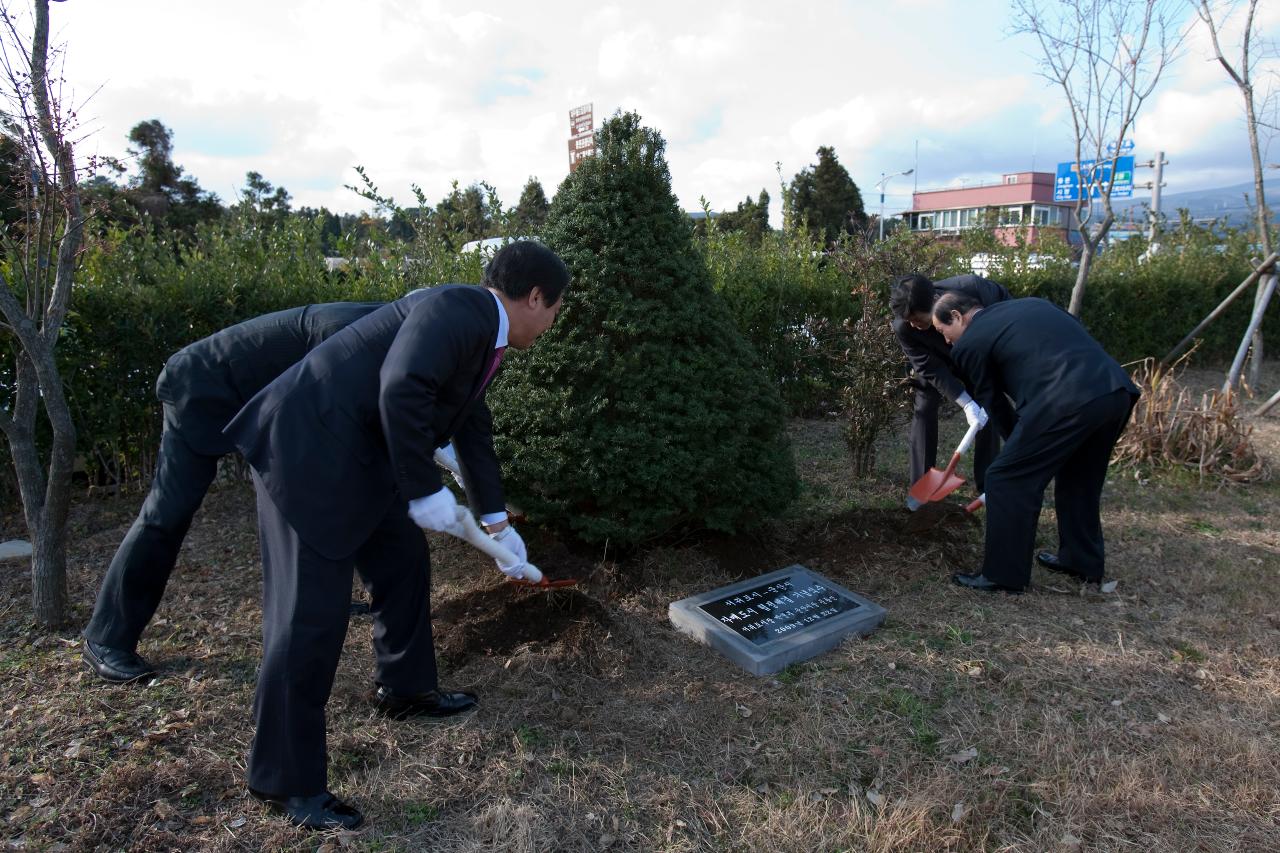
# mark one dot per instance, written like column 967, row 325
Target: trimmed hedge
column 138, row 299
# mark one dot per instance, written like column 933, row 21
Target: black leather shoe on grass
column 981, row 584
column 115, row 665
column 1050, row 561
column 323, row 811
column 433, row 703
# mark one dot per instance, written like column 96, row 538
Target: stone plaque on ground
column 14, row 548
column 767, row 622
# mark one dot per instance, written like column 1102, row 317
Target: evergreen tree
column 160, row 189
column 751, row 218
column 643, row 410
column 530, row 213
column 825, row 198
column 466, row 214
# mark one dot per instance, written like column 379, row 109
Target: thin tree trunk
column 45, row 491
column 1082, row 276
column 1264, row 230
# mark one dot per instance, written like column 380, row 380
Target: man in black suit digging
column 201, row 388
column 341, row 448
column 1072, row 402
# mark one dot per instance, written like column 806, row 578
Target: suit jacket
column 927, row 351
column 1040, row 356
column 204, row 384
column 348, row 433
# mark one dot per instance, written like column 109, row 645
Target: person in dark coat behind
column 201, row 388
column 1072, row 402
column 933, row 372
column 341, row 447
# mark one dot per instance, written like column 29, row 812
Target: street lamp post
column 881, row 184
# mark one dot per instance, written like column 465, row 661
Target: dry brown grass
column 1146, row 719
column 1170, row 428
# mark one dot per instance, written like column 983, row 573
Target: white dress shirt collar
column 504, row 324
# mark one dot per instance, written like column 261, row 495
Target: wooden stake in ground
column 1260, row 269
column 1242, row 75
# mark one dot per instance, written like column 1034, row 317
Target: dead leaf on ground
column 964, row 755
column 958, row 812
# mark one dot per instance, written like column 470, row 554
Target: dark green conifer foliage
column 643, row 410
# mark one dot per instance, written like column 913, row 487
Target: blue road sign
column 1066, row 187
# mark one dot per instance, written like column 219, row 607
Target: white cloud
column 423, row 92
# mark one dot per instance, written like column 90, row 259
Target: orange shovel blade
column 545, row 583
column 936, row 485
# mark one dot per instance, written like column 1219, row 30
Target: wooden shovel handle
column 466, row 528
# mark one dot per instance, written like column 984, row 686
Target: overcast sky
column 426, row 92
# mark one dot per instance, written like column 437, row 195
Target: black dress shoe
column 1050, row 561
column 980, row 583
column 115, row 665
column 323, row 811
column 433, row 703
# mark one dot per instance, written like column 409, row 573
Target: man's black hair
column 519, row 267
column 953, row 300
column 911, row 294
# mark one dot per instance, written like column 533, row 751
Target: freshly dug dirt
column 498, row 619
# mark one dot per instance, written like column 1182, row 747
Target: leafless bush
column 867, row 361
column 1170, row 429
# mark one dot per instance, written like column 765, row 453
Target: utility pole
column 1158, row 164
column 884, row 179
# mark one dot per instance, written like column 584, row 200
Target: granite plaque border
column 766, row 658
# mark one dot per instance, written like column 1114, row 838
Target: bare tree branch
column 1107, row 57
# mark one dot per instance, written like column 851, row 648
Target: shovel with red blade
column 936, row 485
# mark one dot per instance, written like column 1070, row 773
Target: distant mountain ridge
column 1222, row 203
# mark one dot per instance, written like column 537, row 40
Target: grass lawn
column 1143, row 719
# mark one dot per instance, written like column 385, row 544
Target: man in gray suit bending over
column 933, row 373
column 341, row 447
column 201, row 388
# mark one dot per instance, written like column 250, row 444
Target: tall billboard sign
column 1066, row 187
column 582, row 135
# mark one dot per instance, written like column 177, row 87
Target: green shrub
column 643, row 410
column 780, row 293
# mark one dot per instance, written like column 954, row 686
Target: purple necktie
column 493, row 368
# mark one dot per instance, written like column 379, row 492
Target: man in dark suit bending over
column 201, row 388
column 1072, row 401
column 341, row 447
column 933, row 373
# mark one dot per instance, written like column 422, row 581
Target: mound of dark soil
column 498, row 619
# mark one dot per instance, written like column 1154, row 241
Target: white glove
column 448, row 457
column 436, row 512
column 973, row 413
column 509, row 539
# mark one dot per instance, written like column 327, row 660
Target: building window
column 949, row 219
column 1050, row 216
column 1010, row 179
column 924, row 222
column 1011, row 216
